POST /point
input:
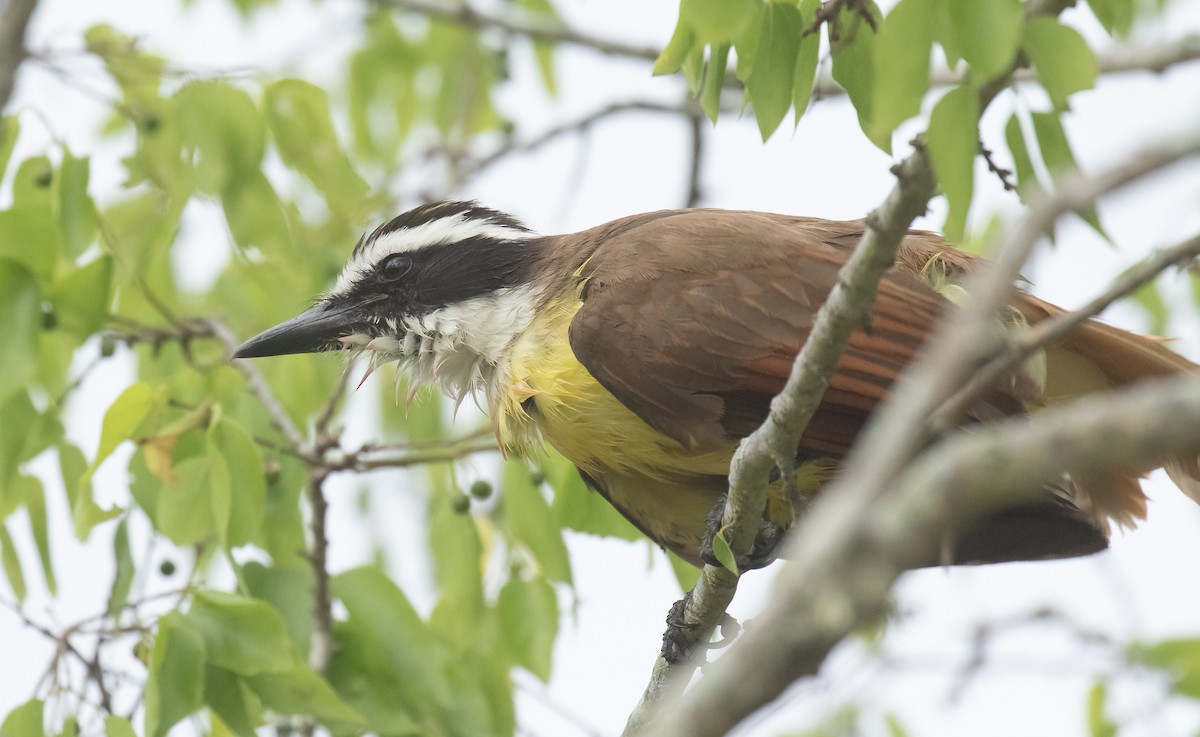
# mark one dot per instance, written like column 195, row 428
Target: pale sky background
column 1037, row 678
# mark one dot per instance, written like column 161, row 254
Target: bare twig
column 13, row 24
column 367, row 459
column 321, row 643
column 1059, row 326
column 582, row 124
column 258, row 386
column 1004, row 175
column 696, row 168
column 521, row 24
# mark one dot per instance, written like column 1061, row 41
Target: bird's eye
column 396, row 266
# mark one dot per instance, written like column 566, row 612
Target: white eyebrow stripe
column 451, row 229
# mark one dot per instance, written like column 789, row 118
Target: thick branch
column 13, row 24
column 846, row 567
column 891, row 439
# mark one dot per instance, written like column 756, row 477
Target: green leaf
column 987, row 33
column 578, row 508
column 86, row 514
column 529, row 619
column 714, row 81
column 35, row 506
column 902, row 53
column 175, row 683
column 773, row 71
column 681, row 45
column 224, row 125
column 1099, row 725
column 243, row 635
column 115, row 726
column 1115, row 15
column 718, row 21
column 76, row 212
column 1027, row 181
column 807, row 58
column 301, row 125
column 1179, row 658
column 184, row 505
column 953, row 142
column 458, row 567
column 219, row 492
column 1059, row 159
column 24, row 721
column 21, row 313
column 241, row 460
column 1150, row 298
column 81, row 298
column 543, row 51
column 232, row 699
column 1064, row 61
column 852, row 44
column 123, row 575
column 723, row 553
column 255, row 215
column 11, row 564
column 288, row 589
column 531, row 523
column 301, row 691
column 125, row 417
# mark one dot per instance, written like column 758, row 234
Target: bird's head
column 444, row 288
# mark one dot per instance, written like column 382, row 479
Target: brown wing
column 692, row 320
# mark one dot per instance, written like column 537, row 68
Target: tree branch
column 533, row 27
column 688, row 109
column 13, row 25
column 258, row 386
column 1059, row 326
column 1119, row 60
column 890, row 440
column 846, row 566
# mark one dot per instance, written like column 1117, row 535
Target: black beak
column 315, row 329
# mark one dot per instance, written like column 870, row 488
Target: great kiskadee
column 645, row 348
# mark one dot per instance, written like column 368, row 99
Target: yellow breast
column 548, row 390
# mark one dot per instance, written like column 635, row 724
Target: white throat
column 460, row 347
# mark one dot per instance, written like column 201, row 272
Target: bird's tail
column 1097, row 357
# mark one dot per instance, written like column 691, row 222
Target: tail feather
column 1100, row 357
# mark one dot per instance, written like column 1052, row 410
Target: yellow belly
column 580, row 418
column 663, row 487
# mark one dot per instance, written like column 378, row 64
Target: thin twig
column 13, row 25
column 365, row 460
column 581, row 124
column 533, row 27
column 696, row 167
column 258, row 386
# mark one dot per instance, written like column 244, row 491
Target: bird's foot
column 766, row 542
column 678, row 643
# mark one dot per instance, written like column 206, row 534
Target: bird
column 644, row 349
